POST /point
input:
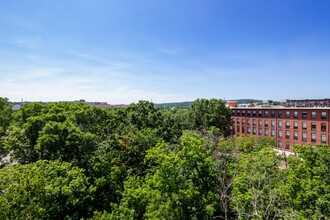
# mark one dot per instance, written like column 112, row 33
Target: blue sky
column 122, row 51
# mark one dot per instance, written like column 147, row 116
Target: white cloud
column 28, row 42
column 113, row 85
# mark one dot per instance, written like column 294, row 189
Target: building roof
column 283, row 108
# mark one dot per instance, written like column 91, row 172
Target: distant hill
column 173, row 105
column 188, row 103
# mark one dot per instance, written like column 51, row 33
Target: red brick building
column 288, row 126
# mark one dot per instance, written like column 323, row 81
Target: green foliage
column 115, row 159
column 256, row 188
column 307, row 190
column 95, row 120
column 5, row 120
column 49, row 132
column 147, row 163
column 247, row 144
column 44, row 190
column 205, row 113
column 143, row 115
column 179, row 184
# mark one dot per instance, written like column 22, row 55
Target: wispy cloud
column 28, row 42
column 115, row 82
column 171, row 50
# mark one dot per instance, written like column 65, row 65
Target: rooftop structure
column 307, row 102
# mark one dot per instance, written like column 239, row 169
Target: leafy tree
column 117, row 158
column 44, row 190
column 94, row 120
column 5, row 120
column 5, row 115
column 28, row 110
column 65, row 142
column 173, row 124
column 205, row 113
column 53, row 140
column 143, row 115
column 167, row 123
column 108, row 178
column 307, row 190
column 179, row 184
column 226, row 159
column 227, row 156
column 48, row 132
column 256, row 189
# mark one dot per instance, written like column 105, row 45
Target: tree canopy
column 73, row 161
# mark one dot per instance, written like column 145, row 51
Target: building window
column 260, row 131
column 280, row 114
column 243, row 130
column 238, row 113
column 266, row 131
column 248, row 130
column 266, row 123
column 287, row 134
column 287, row 114
column 323, row 127
column 287, row 145
column 313, row 126
column 254, row 130
column 233, row 113
column 323, row 139
column 243, row 121
column 248, row 113
column 253, row 121
column 273, row 123
column 313, row 115
column 273, row 114
column 279, row 123
column 287, row 124
column 243, row 113
column 295, row 125
column 259, row 122
column 260, row 113
column 304, row 125
column 324, row 115
column 266, row 113
column 254, row 113
column 304, row 115
column 237, row 129
column 248, row 121
column 273, row 133
column 304, row 136
column 295, row 114
column 279, row 144
column 313, row 137
column 295, row 135
column 238, row 121
column 280, row 133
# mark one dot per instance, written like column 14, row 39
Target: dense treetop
column 73, row 161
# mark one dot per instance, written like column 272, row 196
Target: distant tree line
column 73, row 161
column 173, row 105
